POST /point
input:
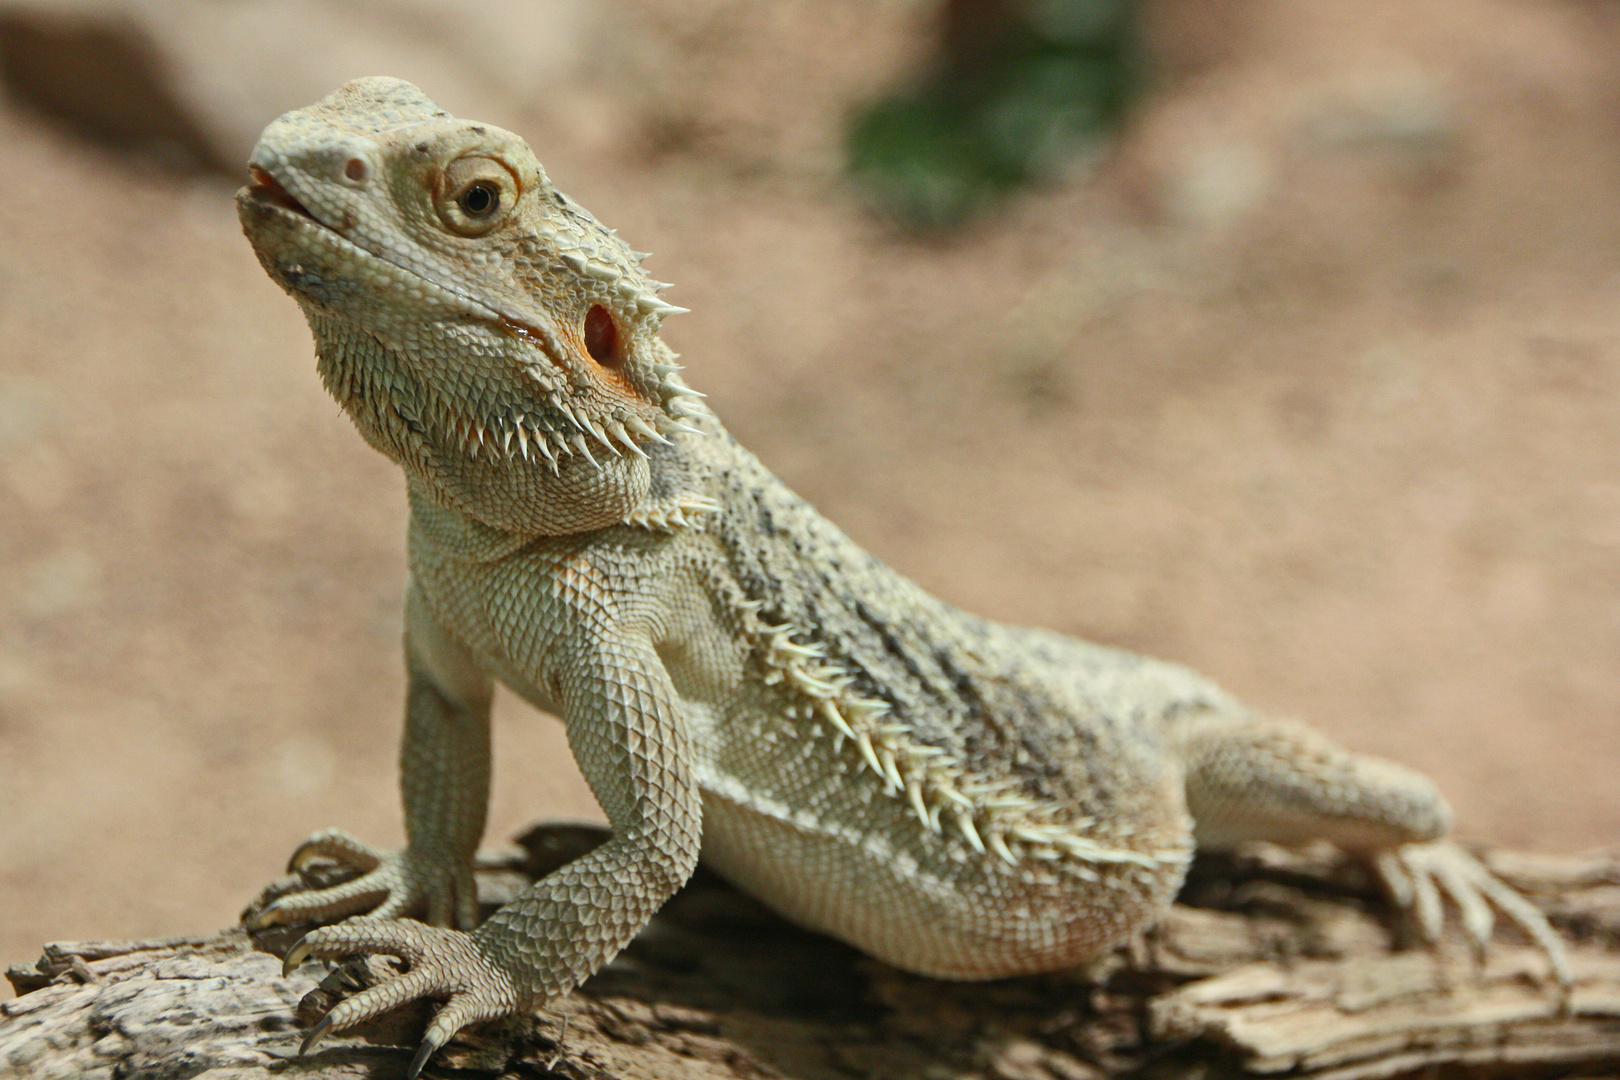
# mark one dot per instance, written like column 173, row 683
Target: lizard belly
column 911, row 898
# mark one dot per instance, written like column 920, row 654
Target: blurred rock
column 191, row 83
column 105, row 77
column 1400, row 108
column 1217, row 182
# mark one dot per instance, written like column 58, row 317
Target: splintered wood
column 1275, row 964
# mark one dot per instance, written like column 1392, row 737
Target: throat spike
column 584, row 448
column 597, row 430
column 622, row 437
column 644, row 429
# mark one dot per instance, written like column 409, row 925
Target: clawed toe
column 420, row 1059
column 379, row 885
column 1421, row 877
column 442, row 963
column 315, row 1034
column 295, row 956
column 339, row 847
column 368, row 892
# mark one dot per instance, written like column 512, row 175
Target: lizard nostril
column 357, row 170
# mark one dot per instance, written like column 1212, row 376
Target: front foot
column 1421, row 877
column 390, row 885
column 442, row 964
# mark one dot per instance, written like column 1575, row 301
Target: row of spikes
column 681, row 511
column 680, row 402
column 531, row 438
column 515, row 435
column 647, row 302
column 990, row 815
column 675, row 514
column 677, row 399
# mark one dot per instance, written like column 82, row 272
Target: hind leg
column 1250, row 778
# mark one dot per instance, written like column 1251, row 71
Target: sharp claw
column 300, row 859
column 295, row 956
column 423, row 1052
column 349, row 978
column 316, row 1034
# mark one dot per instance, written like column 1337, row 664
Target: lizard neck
column 684, row 481
column 402, row 411
column 454, row 534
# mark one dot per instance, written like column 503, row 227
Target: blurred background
column 1276, row 337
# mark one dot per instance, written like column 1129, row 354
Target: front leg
column 625, row 733
column 444, row 779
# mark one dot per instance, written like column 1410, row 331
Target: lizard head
column 480, row 328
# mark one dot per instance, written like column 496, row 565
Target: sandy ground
column 1314, row 387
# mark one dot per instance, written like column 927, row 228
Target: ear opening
column 602, row 336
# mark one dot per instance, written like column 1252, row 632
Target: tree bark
column 1274, row 963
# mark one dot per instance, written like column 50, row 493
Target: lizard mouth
column 268, row 189
column 264, row 188
column 269, row 196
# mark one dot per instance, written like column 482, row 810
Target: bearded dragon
column 739, row 681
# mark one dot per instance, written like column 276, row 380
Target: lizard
column 738, row 680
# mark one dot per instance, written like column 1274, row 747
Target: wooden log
column 1273, row 964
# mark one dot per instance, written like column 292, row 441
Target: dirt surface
column 1314, row 387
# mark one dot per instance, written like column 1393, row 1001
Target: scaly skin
column 956, row 797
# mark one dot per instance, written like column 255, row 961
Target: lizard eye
column 480, row 199
column 477, row 194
